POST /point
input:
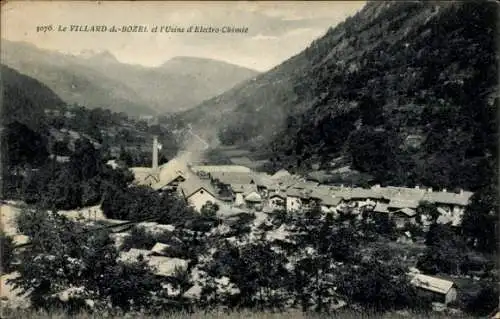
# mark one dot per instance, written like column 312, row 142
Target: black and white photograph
column 249, row 159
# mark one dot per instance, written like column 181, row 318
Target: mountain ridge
column 98, row 79
column 391, row 74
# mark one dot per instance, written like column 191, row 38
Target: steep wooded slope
column 18, row 105
column 407, row 89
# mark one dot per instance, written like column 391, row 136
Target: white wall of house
column 150, row 180
column 450, row 296
column 200, row 198
column 329, row 209
column 239, row 200
column 365, row 202
column 293, row 204
column 400, row 220
column 454, row 212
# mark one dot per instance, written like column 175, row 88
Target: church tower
column 156, row 146
column 155, row 156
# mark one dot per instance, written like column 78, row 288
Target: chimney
column 461, row 191
column 429, row 190
column 444, row 190
column 417, row 187
column 155, row 155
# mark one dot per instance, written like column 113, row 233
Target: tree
column 428, row 211
column 480, row 220
column 485, row 301
column 7, row 251
column 21, row 145
column 126, row 157
column 85, row 162
column 372, row 152
column 61, row 148
column 381, row 287
column 63, row 257
column 445, row 253
column 209, row 210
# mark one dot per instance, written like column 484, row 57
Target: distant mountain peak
column 192, row 60
column 98, row 55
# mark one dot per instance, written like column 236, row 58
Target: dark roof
column 406, row 211
column 229, row 178
column 193, row 184
column 282, row 173
column 244, row 188
column 397, row 203
column 277, row 194
column 294, row 192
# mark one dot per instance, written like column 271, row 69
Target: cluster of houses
column 236, row 186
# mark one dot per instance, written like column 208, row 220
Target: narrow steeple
column 155, row 155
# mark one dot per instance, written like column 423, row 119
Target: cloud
column 278, row 29
column 264, row 37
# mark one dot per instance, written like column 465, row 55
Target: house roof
column 280, row 174
column 132, row 254
column 305, row 185
column 403, row 203
column 407, row 211
column 433, row 284
column 273, row 186
column 362, row 193
column 381, row 208
column 193, row 184
column 221, row 168
column 166, row 266
column 356, row 193
column 328, row 199
column 170, row 171
column 287, row 182
column 244, row 188
column 319, row 176
column 234, row 177
column 277, row 194
column 263, row 179
column 461, row 199
column 141, row 174
column 253, row 197
column 294, row 192
column 342, row 170
column 159, row 248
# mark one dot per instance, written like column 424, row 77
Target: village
column 238, row 189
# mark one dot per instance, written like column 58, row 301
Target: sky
column 276, row 30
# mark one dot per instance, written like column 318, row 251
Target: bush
column 139, row 238
column 484, row 302
column 64, row 257
column 381, row 287
column 29, row 221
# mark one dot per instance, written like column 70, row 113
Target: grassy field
column 239, row 315
column 237, row 156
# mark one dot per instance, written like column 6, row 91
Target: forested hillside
column 40, row 131
column 100, row 80
column 406, row 89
